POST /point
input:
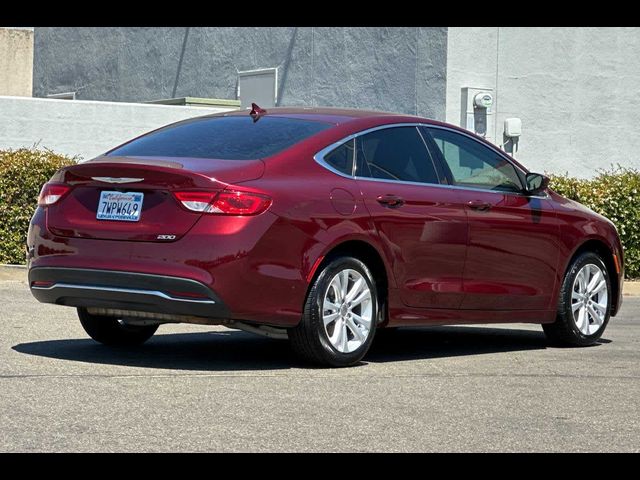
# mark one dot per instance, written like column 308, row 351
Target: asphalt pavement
column 193, row 388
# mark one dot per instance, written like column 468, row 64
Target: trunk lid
column 162, row 218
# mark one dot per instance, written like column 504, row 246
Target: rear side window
column 341, row 158
column 397, row 153
column 224, row 138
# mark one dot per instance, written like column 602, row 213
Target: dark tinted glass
column 226, row 138
column 394, row 154
column 342, row 158
column 473, row 164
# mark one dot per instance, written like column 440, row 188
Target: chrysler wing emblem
column 117, row 179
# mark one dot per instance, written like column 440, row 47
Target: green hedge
column 614, row 194
column 22, row 174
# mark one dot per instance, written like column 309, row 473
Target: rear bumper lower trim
column 79, row 287
column 69, row 286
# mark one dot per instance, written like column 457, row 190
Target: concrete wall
column 575, row 89
column 84, row 128
column 16, row 61
column 396, row 69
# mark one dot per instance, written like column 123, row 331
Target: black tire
column 310, row 340
column 109, row 331
column 564, row 331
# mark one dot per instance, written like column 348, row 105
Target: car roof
column 356, row 117
column 332, row 115
column 342, row 116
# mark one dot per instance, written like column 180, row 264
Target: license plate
column 120, row 206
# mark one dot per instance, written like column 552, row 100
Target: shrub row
column 613, row 193
column 22, row 174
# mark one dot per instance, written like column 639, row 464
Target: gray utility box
column 259, row 87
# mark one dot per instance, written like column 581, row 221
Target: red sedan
column 321, row 226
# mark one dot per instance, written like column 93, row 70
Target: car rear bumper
column 80, row 287
column 244, row 263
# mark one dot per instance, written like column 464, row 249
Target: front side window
column 225, row 138
column 473, row 164
column 396, row 153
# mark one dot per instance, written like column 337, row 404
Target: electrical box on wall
column 512, row 127
column 477, row 112
column 258, row 86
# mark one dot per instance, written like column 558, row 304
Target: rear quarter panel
column 317, row 210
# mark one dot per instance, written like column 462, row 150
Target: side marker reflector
column 615, row 260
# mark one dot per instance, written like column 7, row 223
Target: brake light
column 240, row 203
column 51, row 193
column 228, row 202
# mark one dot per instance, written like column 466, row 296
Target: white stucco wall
column 85, row 128
column 16, row 61
column 575, row 89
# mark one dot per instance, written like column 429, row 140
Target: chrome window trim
column 319, row 159
column 154, row 293
column 453, row 187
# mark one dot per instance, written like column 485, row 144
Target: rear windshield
column 225, row 138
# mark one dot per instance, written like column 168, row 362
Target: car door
column 513, row 238
column 422, row 224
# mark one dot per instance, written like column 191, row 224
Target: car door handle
column 390, row 201
column 479, row 205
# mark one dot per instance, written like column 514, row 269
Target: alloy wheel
column 589, row 299
column 347, row 311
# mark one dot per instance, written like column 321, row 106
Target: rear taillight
column 240, row 203
column 51, row 193
column 228, row 202
column 195, row 201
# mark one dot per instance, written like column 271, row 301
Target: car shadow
column 205, row 351
column 237, row 351
column 451, row 341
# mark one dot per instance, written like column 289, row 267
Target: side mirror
column 536, row 183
